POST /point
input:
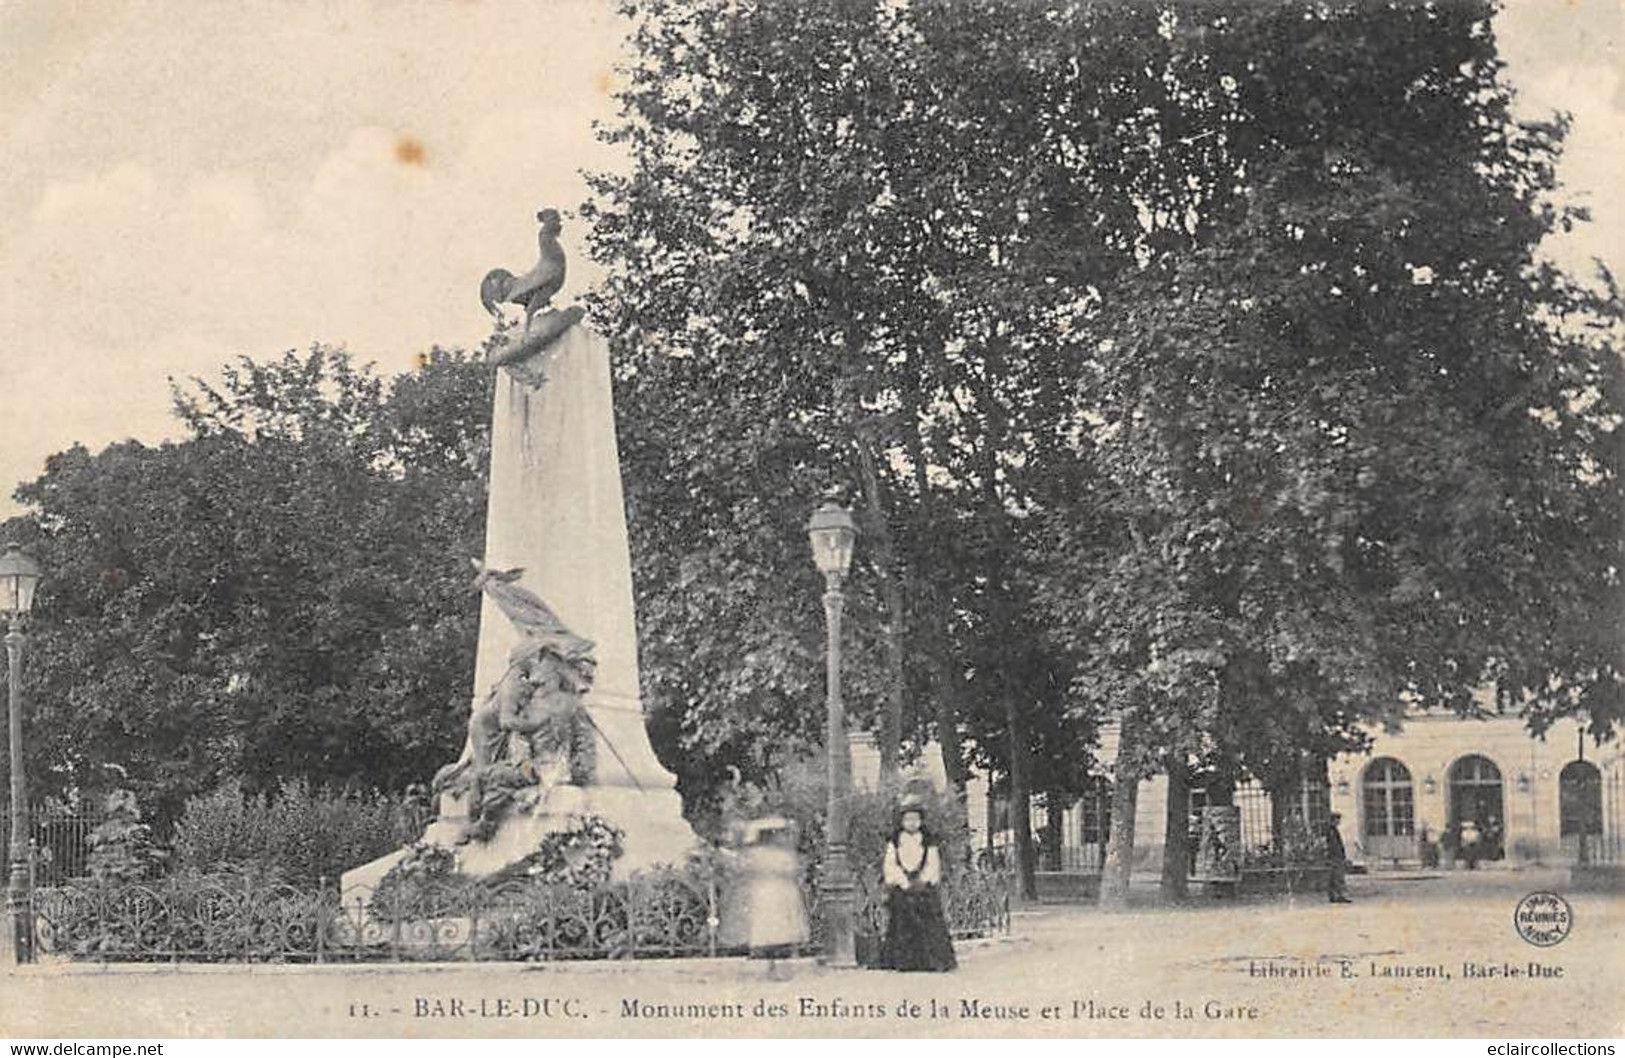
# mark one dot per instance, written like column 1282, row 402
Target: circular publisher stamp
column 1543, row 919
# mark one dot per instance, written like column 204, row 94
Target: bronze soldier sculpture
column 539, row 700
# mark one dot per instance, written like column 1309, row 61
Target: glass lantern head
column 832, row 534
column 19, row 575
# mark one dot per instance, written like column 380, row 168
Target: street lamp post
column 18, row 576
column 832, row 535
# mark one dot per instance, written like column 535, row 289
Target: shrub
column 1297, row 845
column 121, row 846
column 802, row 796
column 298, row 835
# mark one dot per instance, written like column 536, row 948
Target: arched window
column 1475, row 794
column 1579, row 798
column 1388, row 799
column 1474, row 770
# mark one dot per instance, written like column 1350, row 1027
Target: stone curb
column 596, row 967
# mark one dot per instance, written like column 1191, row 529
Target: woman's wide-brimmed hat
column 911, row 803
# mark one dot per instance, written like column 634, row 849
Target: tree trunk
column 1021, row 819
column 1284, row 789
column 990, row 817
column 1280, row 796
column 949, row 681
column 1119, row 866
column 1176, row 854
column 890, row 736
column 947, row 709
column 1054, row 829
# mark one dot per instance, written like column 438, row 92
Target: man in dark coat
column 1337, row 889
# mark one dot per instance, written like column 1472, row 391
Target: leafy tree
column 1359, row 443
column 283, row 594
column 849, row 253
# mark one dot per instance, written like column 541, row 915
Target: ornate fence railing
column 59, row 839
column 653, row 915
column 1604, row 820
column 975, row 902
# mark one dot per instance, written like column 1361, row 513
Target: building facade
column 1534, row 801
column 1554, row 800
column 1405, row 801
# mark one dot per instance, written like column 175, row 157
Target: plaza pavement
column 1282, row 967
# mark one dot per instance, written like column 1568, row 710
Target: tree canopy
column 1359, row 441
column 1192, row 365
column 282, row 594
column 842, row 260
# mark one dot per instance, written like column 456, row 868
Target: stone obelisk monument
column 557, row 512
column 558, row 636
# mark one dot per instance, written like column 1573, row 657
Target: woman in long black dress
column 916, row 932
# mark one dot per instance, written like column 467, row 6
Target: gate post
column 321, row 919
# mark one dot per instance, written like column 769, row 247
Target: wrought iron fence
column 1282, row 829
column 1069, row 833
column 1083, row 859
column 1085, row 827
column 1608, row 846
column 60, row 839
column 1278, row 830
column 975, row 903
column 661, row 913
column 664, row 913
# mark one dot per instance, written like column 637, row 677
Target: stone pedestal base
column 656, row 832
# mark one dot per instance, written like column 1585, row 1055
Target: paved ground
column 1334, row 970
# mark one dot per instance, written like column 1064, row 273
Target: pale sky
column 183, row 182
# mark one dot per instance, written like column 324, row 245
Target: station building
column 1532, row 799
column 1549, row 801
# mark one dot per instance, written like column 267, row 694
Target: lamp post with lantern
column 19, row 575
column 832, row 534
